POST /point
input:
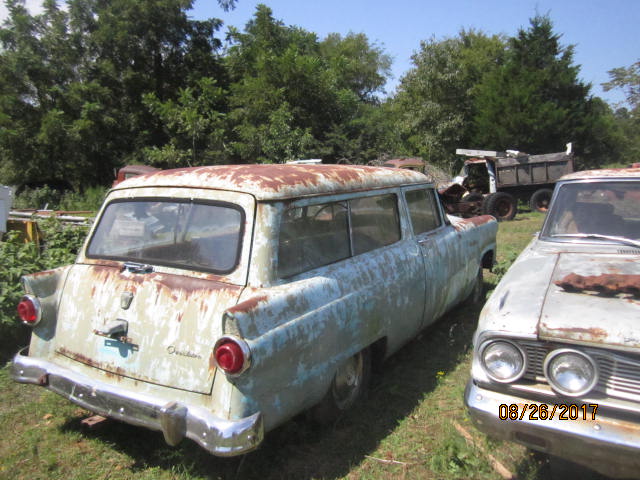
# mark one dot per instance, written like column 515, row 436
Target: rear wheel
column 501, row 205
column 540, row 200
column 349, row 384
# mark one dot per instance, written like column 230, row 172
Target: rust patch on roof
column 605, row 284
column 281, row 181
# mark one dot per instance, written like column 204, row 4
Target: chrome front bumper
column 175, row 420
column 607, row 445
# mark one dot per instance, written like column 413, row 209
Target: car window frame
column 347, row 197
column 444, row 221
column 185, row 268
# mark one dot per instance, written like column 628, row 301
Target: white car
column 556, row 363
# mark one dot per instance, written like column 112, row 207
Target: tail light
column 231, row 355
column 29, row 310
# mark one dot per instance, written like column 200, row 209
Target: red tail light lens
column 29, row 310
column 231, row 355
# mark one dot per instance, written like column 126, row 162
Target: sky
column 604, row 32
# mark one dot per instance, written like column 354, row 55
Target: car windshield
column 601, row 211
column 194, row 236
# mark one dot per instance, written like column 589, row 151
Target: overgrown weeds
column 61, row 245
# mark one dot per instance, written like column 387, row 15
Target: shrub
column 62, row 243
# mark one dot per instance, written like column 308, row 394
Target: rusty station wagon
column 556, row 363
column 215, row 303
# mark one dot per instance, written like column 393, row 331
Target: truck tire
column 501, row 205
column 540, row 200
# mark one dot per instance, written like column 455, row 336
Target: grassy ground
column 412, row 425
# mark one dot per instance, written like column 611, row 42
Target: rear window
column 189, row 235
column 318, row 235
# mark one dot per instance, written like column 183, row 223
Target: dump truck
column 492, row 182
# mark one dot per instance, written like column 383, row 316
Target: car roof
column 603, row 173
column 280, row 181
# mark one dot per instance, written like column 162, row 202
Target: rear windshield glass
column 194, row 236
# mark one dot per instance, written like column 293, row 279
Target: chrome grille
column 629, row 251
column 619, row 373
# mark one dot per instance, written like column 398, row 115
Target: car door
column 438, row 249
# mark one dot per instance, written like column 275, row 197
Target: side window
column 423, row 210
column 311, row 237
column 374, row 222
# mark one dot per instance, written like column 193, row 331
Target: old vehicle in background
column 492, row 182
column 556, row 363
column 215, row 303
column 129, row 171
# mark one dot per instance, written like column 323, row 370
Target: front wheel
column 349, row 384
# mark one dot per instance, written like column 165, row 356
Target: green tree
column 627, row 117
column 73, row 83
column 627, row 79
column 194, row 124
column 435, row 103
column 290, row 93
column 536, row 103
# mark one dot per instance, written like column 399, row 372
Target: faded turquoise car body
column 159, row 370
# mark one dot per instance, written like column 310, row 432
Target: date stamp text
column 534, row 411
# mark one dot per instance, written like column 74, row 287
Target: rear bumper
column 607, row 445
column 175, row 420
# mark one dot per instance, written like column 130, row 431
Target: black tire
column 348, row 386
column 501, row 205
column 540, row 200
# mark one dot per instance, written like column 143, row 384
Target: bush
column 53, row 199
column 62, row 243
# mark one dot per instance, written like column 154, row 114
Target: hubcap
column 348, row 381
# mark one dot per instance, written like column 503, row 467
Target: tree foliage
column 435, row 104
column 291, row 92
column 103, row 83
column 628, row 119
column 492, row 93
column 73, row 83
column 534, row 102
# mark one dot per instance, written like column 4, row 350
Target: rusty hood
column 594, row 300
column 154, row 327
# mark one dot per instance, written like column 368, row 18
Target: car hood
column 593, row 299
column 570, row 297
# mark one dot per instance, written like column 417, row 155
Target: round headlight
column 570, row 372
column 503, row 361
